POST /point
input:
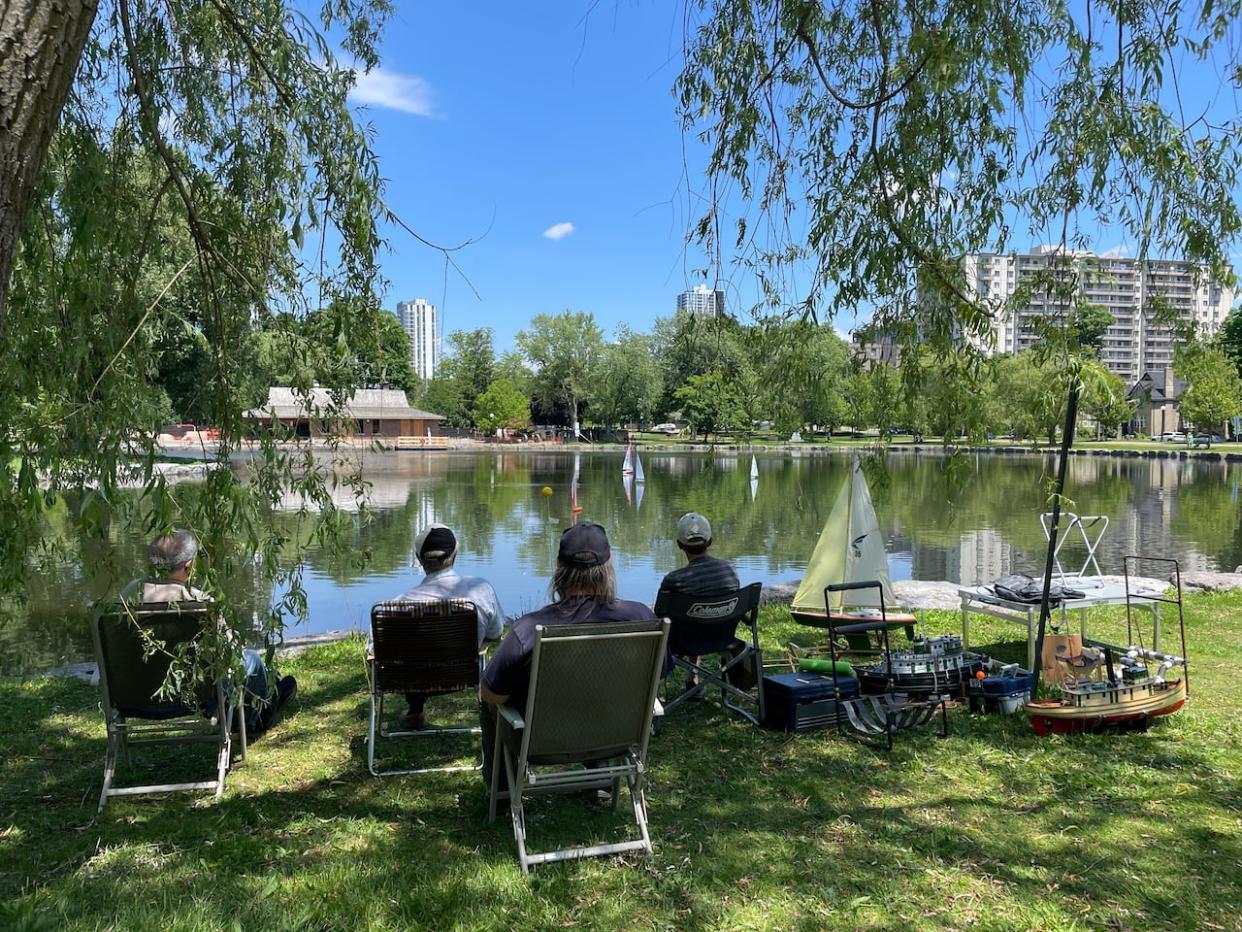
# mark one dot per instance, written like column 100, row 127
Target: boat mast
column 1067, row 441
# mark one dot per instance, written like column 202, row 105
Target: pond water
column 971, row 523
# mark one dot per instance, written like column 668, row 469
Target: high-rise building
column 1134, row 291
column 702, row 302
column 422, row 322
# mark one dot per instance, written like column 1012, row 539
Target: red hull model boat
column 1125, row 698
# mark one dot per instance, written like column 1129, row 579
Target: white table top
column 1096, row 592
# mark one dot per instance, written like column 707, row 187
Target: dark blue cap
column 584, row 545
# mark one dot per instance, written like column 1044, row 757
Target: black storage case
column 797, row 702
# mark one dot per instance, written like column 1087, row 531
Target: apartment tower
column 422, row 322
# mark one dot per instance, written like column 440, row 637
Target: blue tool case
column 797, row 702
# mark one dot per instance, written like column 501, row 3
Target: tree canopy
column 858, row 149
column 173, row 207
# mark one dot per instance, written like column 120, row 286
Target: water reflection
column 973, row 522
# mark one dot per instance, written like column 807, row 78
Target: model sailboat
column 850, row 549
column 638, row 470
column 754, row 468
column 627, row 468
column 574, row 508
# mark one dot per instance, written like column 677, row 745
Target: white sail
column 627, row 481
column 574, row 508
column 850, row 549
column 627, row 468
column 638, row 469
column 754, row 468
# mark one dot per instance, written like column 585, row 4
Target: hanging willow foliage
column 207, row 172
column 862, row 148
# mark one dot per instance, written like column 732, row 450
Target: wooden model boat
column 1128, row 697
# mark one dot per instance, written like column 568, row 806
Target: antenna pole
column 1067, row 441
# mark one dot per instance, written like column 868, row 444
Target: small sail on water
column 850, row 549
column 627, row 468
column 754, row 468
column 638, row 469
column 574, row 508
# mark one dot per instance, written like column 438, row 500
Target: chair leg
column 516, row 811
column 638, row 800
column 241, row 720
column 224, row 753
column 109, row 771
column 375, row 714
column 494, row 792
column 124, row 742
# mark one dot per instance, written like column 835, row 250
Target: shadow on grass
column 751, row 828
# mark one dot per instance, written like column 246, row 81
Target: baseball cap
column 435, row 540
column 584, row 545
column 693, row 528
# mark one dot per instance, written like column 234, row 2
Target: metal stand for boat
column 884, row 714
column 1136, row 560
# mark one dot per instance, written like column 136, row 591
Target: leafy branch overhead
column 205, row 179
column 863, row 147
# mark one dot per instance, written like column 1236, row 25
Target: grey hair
column 169, row 551
column 436, row 560
column 595, row 582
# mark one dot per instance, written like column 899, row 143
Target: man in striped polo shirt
column 703, row 574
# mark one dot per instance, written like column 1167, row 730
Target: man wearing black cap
column 583, row 589
column 436, row 548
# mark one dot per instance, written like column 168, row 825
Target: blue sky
column 551, row 127
column 526, row 118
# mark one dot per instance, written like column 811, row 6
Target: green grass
column 991, row 828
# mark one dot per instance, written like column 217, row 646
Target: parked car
column 1173, row 436
column 1204, row 439
column 666, row 429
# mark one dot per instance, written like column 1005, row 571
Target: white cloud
column 558, row 230
column 405, row 92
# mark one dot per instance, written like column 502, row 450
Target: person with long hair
column 583, row 589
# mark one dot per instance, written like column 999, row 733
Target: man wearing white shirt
column 436, row 549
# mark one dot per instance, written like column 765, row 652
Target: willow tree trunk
column 41, row 42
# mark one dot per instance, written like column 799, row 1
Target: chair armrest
column 512, row 716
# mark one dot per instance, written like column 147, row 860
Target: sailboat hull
column 896, row 620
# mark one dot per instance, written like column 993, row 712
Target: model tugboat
column 1108, row 687
column 1100, row 694
column 932, row 666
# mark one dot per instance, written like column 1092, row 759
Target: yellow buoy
column 547, row 491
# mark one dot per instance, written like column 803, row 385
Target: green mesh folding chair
column 585, row 726
column 130, row 677
column 421, row 647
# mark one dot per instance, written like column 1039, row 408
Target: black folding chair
column 887, row 712
column 421, row 647
column 135, row 645
column 585, row 726
column 703, row 625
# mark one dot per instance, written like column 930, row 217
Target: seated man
column 171, row 557
column 583, row 589
column 436, row 548
column 703, row 574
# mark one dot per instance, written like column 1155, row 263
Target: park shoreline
column 460, row 445
column 912, row 595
